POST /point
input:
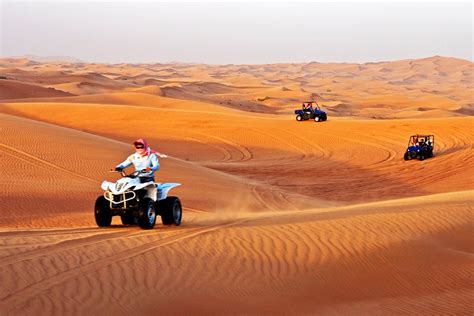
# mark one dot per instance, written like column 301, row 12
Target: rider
column 421, row 143
column 145, row 161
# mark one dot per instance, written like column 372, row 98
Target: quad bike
column 137, row 199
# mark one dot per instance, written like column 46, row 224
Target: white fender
column 105, row 185
column 164, row 188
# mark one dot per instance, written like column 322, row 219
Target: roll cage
column 310, row 104
column 416, row 140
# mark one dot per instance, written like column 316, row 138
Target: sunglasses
column 139, row 146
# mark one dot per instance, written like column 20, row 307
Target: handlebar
column 122, row 172
column 131, row 175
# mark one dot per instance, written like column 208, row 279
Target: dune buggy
column 310, row 111
column 419, row 147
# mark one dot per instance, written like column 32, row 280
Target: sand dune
column 135, row 98
column 17, row 90
column 256, row 263
column 314, row 160
column 432, row 84
column 65, row 183
column 280, row 217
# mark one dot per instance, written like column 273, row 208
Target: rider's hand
column 145, row 170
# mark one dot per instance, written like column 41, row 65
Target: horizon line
column 32, row 57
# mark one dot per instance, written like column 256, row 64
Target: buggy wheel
column 171, row 213
column 406, row 157
column 127, row 219
column 317, row 119
column 299, row 118
column 103, row 215
column 146, row 214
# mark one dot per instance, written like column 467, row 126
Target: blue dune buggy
column 419, row 146
column 310, row 111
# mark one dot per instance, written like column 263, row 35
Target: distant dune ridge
column 280, row 217
column 48, row 59
column 429, row 87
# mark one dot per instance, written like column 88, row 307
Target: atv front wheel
column 317, row 119
column 299, row 118
column 171, row 212
column 146, row 214
column 406, row 157
column 103, row 216
column 422, row 157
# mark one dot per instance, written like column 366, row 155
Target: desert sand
column 280, row 217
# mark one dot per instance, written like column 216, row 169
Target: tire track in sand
column 46, row 232
column 19, row 154
column 270, row 198
column 75, row 243
column 242, row 150
column 227, row 155
column 64, row 245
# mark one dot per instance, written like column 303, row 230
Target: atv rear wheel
column 317, row 119
column 299, row 118
column 406, row 157
column 146, row 214
column 103, row 215
column 171, row 211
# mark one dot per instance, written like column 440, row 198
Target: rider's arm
column 126, row 163
column 154, row 163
